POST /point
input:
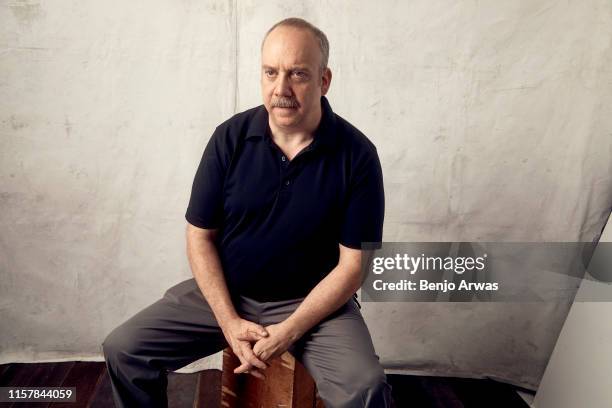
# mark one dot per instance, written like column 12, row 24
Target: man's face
column 291, row 79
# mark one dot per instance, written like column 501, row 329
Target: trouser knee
column 372, row 382
column 115, row 345
column 368, row 389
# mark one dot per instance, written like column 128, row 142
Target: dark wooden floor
column 93, row 388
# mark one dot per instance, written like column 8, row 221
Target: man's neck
column 290, row 137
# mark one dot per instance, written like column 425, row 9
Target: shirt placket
column 286, row 168
column 289, row 169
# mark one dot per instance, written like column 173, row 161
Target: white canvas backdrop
column 492, row 121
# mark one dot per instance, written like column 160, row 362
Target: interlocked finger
column 252, row 359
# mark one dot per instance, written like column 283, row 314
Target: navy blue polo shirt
column 280, row 221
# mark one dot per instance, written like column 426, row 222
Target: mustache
column 283, row 102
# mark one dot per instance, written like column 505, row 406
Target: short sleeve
column 205, row 209
column 364, row 212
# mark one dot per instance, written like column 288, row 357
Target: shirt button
column 283, row 158
column 287, row 182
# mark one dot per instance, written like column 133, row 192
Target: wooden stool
column 287, row 385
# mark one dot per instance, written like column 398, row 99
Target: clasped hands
column 254, row 344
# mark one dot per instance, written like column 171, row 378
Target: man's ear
column 326, row 78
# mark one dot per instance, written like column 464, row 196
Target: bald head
column 319, row 38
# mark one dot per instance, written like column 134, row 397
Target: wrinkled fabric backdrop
column 492, row 121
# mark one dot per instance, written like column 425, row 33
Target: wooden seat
column 287, row 385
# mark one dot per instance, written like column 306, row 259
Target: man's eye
column 299, row 74
column 269, row 72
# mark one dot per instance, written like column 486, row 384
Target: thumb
column 257, row 331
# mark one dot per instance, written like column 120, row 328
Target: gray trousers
column 180, row 328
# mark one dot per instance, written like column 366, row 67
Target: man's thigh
column 172, row 332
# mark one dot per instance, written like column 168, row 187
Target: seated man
column 281, row 202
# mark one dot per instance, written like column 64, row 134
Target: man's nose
column 283, row 87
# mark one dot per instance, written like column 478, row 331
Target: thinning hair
column 303, row 24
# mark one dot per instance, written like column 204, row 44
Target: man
column 283, row 198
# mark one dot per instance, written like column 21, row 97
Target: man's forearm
column 206, row 268
column 329, row 294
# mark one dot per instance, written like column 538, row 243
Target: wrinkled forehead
column 290, row 46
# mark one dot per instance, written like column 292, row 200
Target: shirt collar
column 325, row 134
